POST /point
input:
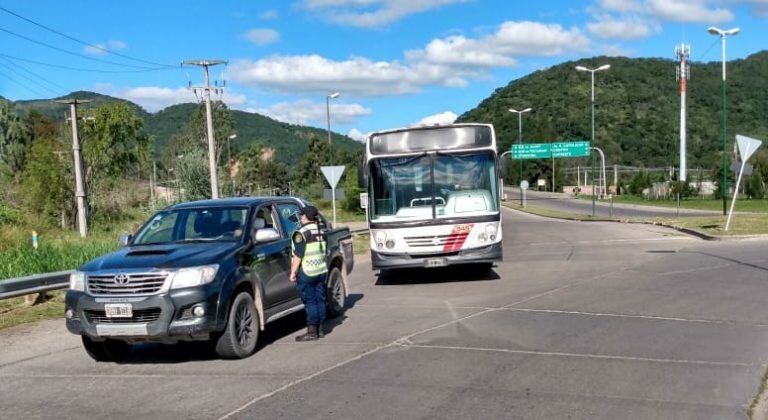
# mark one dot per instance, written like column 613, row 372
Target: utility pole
column 682, row 52
column 724, row 187
column 206, row 91
column 592, row 72
column 82, row 221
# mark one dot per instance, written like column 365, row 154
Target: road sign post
column 523, row 187
column 747, row 146
column 333, row 175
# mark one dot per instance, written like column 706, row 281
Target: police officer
column 308, row 270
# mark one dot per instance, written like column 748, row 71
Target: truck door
column 273, row 260
column 288, row 216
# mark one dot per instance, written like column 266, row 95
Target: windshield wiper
column 199, row 239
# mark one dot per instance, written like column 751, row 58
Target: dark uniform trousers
column 312, row 293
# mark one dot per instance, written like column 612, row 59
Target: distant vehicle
column 433, row 196
column 214, row 270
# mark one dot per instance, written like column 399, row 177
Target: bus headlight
column 390, row 243
column 490, row 232
column 379, row 237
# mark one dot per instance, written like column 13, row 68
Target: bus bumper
column 488, row 254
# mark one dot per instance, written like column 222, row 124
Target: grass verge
column 15, row 311
column 361, row 243
column 741, row 224
column 709, row 204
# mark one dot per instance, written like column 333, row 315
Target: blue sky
column 395, row 62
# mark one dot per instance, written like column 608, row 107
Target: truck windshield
column 220, row 224
column 464, row 185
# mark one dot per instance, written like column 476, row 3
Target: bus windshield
column 464, row 185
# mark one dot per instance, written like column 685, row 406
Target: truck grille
column 450, row 240
column 139, row 316
column 129, row 284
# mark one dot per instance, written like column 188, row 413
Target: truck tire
column 239, row 338
column 336, row 294
column 106, row 351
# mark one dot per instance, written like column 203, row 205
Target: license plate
column 118, row 310
column 435, row 262
column 129, row 330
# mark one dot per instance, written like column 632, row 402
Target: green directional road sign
column 570, row 149
column 531, row 151
column 548, row 150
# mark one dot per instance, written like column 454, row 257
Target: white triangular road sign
column 332, row 174
column 747, row 146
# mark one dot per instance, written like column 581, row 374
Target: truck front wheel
column 238, row 340
column 106, row 351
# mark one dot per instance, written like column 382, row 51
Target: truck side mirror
column 125, row 239
column 265, row 235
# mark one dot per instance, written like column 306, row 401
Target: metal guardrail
column 37, row 283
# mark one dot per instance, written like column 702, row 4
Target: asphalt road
column 581, row 320
column 568, row 204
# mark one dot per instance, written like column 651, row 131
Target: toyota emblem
column 121, row 279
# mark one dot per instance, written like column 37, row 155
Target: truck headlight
column 193, row 276
column 77, row 281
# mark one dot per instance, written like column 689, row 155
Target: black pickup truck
column 214, row 270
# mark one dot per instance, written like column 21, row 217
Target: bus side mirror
column 362, row 175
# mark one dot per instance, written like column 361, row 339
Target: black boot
column 320, row 332
column 310, row 335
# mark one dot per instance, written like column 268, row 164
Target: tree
column 47, row 180
column 640, row 182
column 194, row 135
column 15, row 140
column 754, row 186
column 308, row 178
column 193, row 175
column 256, row 167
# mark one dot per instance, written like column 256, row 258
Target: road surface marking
column 648, row 317
column 585, row 355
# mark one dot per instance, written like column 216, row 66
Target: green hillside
column 637, row 108
column 289, row 141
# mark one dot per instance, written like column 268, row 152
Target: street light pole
column 328, row 115
column 593, row 71
column 723, row 34
column 520, row 135
column 229, row 160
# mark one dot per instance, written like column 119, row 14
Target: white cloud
column 446, row 117
column 358, row 135
column 689, row 11
column 99, row 49
column 155, row 98
column 262, row 36
column 305, row 111
column 313, row 74
column 611, row 28
column 371, row 13
column 620, row 5
column 269, row 14
column 448, row 62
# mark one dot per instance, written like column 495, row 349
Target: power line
column 98, row 47
column 14, row 71
column 114, row 63
column 35, row 91
column 708, row 49
column 63, row 67
column 46, row 80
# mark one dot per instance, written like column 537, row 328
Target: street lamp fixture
column 723, row 33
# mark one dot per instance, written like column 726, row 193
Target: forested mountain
column 637, row 108
column 289, row 141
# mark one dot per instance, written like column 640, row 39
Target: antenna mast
column 682, row 53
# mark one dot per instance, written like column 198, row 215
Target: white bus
column 433, row 198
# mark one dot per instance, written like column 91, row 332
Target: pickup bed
column 215, row 270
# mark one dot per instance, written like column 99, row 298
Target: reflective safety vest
column 314, row 261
